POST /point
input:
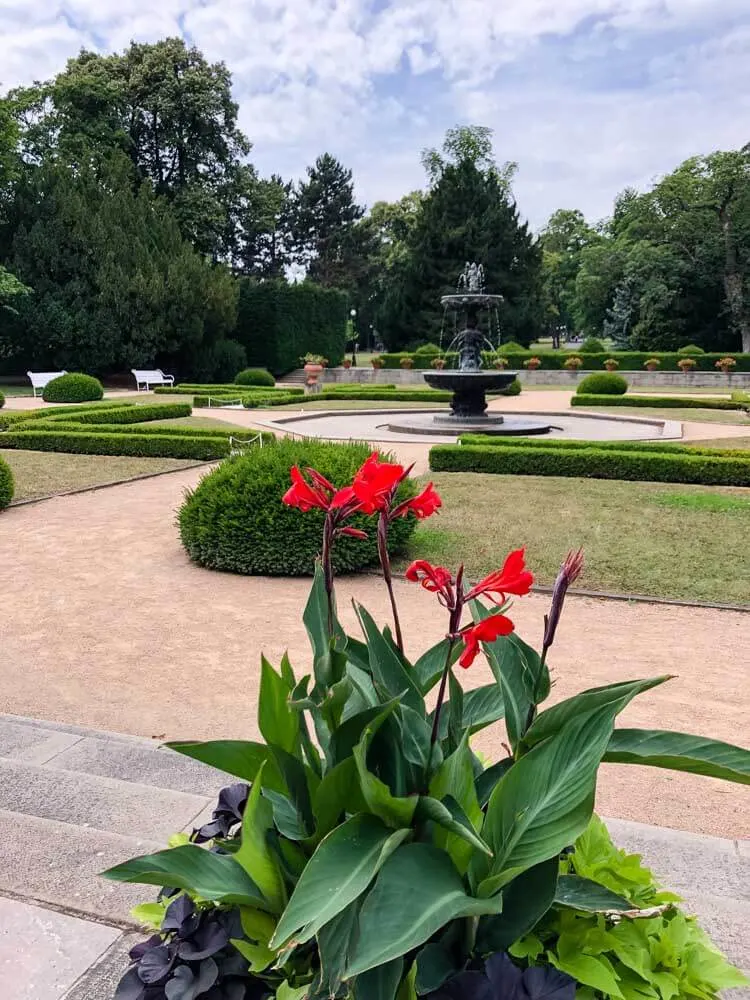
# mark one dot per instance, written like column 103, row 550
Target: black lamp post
column 353, row 314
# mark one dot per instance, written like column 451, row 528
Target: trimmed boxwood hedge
column 75, row 387
column 555, row 360
column 602, row 384
column 660, row 402
column 12, row 417
column 235, row 520
column 85, row 442
column 141, row 429
column 6, row 484
column 130, row 414
column 255, row 376
column 593, row 462
column 673, row 447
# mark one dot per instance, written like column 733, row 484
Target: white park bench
column 40, row 379
column 144, row 379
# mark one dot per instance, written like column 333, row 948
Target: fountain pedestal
column 469, row 388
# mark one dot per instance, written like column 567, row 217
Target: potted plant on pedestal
column 366, row 852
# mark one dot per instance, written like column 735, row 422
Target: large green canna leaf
column 618, row 695
column 429, row 667
column 315, row 617
column 525, row 901
column 584, row 894
column 241, row 758
column 217, row 877
column 417, row 892
column 523, row 678
column 450, row 817
column 335, row 941
column 680, row 752
column 546, row 799
column 396, row 811
column 254, row 854
column 349, row 733
column 339, row 871
column 387, row 668
column 454, row 781
column 380, row 983
column 486, row 781
column 337, row 793
column 300, row 781
column 278, row 723
column 481, row 707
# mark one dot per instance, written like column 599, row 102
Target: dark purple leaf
column 206, row 941
column 228, row 813
column 465, row 986
column 547, row 983
column 130, row 987
column 184, row 985
column 139, row 950
column 503, row 974
column 181, row 917
column 155, row 964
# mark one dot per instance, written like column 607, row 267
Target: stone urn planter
column 611, row 365
column 652, row 364
column 726, row 365
column 347, row 364
column 313, row 371
column 687, row 365
column 377, row 363
column 532, row 364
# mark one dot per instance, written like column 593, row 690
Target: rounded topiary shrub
column 513, row 347
column 75, row 387
column 235, row 521
column 431, row 349
column 2, row 400
column 514, row 389
column 255, row 376
column 691, row 349
column 6, row 484
column 592, row 346
column 603, row 384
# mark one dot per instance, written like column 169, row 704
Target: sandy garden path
column 105, row 623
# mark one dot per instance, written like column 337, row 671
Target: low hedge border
column 21, row 416
column 226, row 389
column 555, row 360
column 669, row 447
column 129, row 415
column 660, row 402
column 197, row 432
column 165, row 445
column 592, row 463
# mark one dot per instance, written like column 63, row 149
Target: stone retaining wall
column 565, row 379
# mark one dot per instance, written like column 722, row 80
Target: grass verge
column 696, row 415
column 636, row 542
column 38, row 473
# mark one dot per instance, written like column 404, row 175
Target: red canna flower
column 376, row 482
column 433, row 578
column 319, row 492
column 513, row 578
column 423, row 505
column 487, row 630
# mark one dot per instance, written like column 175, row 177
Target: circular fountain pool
column 419, row 425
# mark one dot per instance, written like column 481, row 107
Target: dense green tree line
column 129, row 207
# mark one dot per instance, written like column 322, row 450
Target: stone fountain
column 469, row 383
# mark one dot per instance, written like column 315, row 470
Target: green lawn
column 16, row 390
column 41, row 473
column 687, row 542
column 206, row 423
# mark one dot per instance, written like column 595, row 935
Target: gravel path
column 105, row 623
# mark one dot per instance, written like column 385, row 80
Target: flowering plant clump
column 611, row 364
column 407, row 362
column 500, row 362
column 377, row 362
column 573, row 363
column 726, row 364
column 366, row 852
column 532, row 363
column 687, row 364
column 651, row 364
column 438, row 363
column 314, row 359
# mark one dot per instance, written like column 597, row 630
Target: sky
column 588, row 96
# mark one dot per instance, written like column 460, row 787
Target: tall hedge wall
column 277, row 323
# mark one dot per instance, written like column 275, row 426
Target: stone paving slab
column 42, row 953
column 145, row 763
column 35, row 744
column 59, row 864
column 100, row 981
column 102, row 803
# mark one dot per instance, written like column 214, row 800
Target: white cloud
column 588, row 95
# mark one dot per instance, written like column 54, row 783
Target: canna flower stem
column 327, row 561
column 385, row 563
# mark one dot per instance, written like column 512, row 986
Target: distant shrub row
column 672, row 402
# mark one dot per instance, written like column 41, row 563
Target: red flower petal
column 432, row 578
column 513, row 578
column 423, row 505
column 302, row 495
column 487, row 630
